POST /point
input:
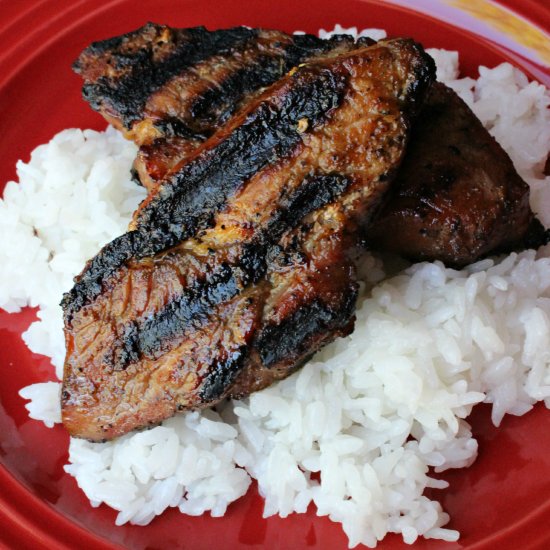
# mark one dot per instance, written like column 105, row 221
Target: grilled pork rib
column 241, row 263
column 171, row 89
column 457, row 198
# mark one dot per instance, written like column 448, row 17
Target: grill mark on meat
column 222, row 375
column 188, row 201
column 314, row 192
column 331, row 281
column 153, row 335
column 289, row 339
column 214, row 107
column 127, row 95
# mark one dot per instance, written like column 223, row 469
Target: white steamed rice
column 372, row 413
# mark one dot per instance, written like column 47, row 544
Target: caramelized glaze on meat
column 170, row 89
column 241, row 263
column 458, row 196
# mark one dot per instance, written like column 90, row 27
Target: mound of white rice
column 356, row 430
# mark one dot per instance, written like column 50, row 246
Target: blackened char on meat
column 170, row 89
column 241, row 262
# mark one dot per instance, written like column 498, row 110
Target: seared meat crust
column 241, row 263
column 458, row 196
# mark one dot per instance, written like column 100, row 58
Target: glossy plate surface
column 502, row 501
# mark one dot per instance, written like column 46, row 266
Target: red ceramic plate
column 503, row 499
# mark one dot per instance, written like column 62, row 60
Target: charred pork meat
column 241, row 262
column 457, row 197
column 171, row 89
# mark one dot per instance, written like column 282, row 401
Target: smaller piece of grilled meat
column 241, row 263
column 458, row 196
